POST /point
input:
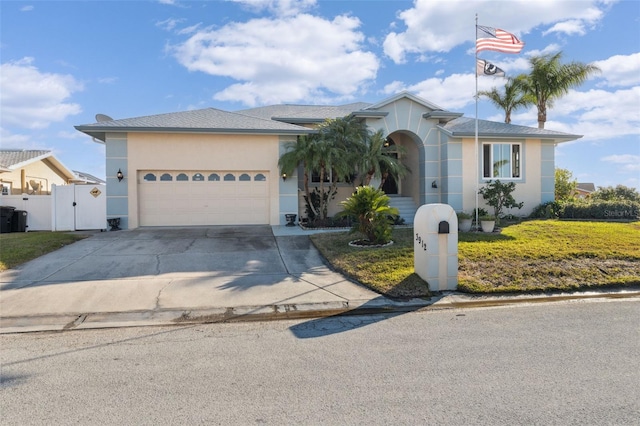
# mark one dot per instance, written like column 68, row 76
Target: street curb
column 164, row 317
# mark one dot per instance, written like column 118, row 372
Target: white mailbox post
column 435, row 246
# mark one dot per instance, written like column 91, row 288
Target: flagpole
column 477, row 150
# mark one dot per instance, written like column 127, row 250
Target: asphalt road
column 560, row 363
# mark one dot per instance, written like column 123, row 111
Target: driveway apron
column 173, row 269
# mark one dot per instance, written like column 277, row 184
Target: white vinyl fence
column 68, row 208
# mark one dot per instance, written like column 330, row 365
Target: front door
column 390, row 185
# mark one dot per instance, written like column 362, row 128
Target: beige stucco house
column 32, row 172
column 213, row 167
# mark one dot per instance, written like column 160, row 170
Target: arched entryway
column 410, row 154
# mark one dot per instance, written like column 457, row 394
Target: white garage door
column 179, row 198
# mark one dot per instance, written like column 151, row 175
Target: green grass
column 20, row 247
column 527, row 257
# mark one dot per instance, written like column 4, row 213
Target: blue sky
column 65, row 61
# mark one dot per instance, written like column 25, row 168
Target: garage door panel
column 206, row 198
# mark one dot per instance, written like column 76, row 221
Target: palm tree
column 375, row 158
column 512, row 98
column 303, row 151
column 337, row 151
column 550, row 79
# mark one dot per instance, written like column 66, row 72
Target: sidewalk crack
column 157, row 307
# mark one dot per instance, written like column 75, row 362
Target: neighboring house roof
column 12, row 159
column 208, row 120
column 15, row 159
column 586, row 187
column 465, row 127
column 87, row 178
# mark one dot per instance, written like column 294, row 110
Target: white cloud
column 621, row 70
column 28, row 8
column 301, row 58
column 13, row 140
column 279, row 7
column 169, row 24
column 626, row 162
column 447, row 92
column 33, row 99
column 432, row 26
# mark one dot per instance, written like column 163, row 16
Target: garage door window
column 166, row 177
column 213, row 177
column 150, row 177
column 245, row 177
column 229, row 177
column 260, row 177
column 182, row 177
column 198, row 177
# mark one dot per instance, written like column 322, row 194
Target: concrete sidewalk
column 161, row 276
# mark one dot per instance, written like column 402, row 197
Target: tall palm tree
column 303, row 151
column 376, row 159
column 550, row 79
column 510, row 100
column 337, row 152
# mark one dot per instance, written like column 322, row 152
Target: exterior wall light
column 119, row 175
column 434, row 184
column 284, row 176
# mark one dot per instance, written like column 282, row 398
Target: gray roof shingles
column 205, row 120
column 11, row 157
column 465, row 126
column 302, row 112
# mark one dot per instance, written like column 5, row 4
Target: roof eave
column 99, row 132
column 369, row 114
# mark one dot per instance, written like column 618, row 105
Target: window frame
column 515, row 161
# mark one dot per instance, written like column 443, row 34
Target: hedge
column 589, row 209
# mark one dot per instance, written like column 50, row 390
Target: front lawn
column 20, row 247
column 531, row 256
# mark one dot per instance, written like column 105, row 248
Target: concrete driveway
column 155, row 275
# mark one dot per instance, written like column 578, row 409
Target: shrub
column 498, row 195
column 595, row 209
column 371, row 209
column 548, row 210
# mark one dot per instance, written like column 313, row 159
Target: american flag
column 488, row 38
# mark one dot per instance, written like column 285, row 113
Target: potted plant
column 487, row 223
column 464, row 221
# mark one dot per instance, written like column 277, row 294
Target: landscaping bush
column 627, row 210
column 548, row 210
column 371, row 209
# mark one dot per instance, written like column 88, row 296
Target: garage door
column 179, row 198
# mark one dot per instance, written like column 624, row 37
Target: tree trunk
column 322, row 214
column 307, row 193
column 542, row 116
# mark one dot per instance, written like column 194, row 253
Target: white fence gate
column 79, row 207
column 68, row 208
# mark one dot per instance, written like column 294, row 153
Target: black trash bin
column 19, row 221
column 6, row 216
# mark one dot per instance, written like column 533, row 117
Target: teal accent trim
column 117, row 206
column 431, row 153
column 115, row 188
column 453, row 184
column 116, row 148
column 547, row 168
column 113, row 165
column 547, row 152
column 454, row 150
column 548, row 185
column 431, row 199
column 454, row 168
column 454, row 200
